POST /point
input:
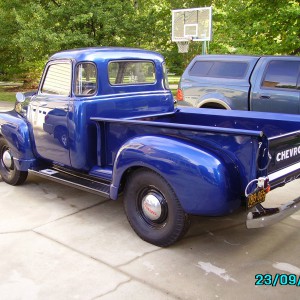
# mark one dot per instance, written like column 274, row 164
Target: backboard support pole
column 204, row 48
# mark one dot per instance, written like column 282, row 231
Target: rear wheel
column 153, row 209
column 8, row 170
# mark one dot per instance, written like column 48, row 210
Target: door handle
column 264, row 97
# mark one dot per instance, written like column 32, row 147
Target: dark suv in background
column 267, row 83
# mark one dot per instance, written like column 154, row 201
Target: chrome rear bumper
column 262, row 217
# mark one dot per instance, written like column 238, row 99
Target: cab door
column 48, row 112
column 276, row 88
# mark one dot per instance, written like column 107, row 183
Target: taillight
column 179, row 95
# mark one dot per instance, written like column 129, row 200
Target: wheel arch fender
column 215, row 98
column 204, row 183
column 213, row 102
column 15, row 130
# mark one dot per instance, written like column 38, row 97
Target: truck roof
column 107, row 53
column 228, row 57
column 236, row 57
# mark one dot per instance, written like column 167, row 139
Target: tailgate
column 284, row 166
column 285, row 162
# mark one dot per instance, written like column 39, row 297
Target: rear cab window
column 128, row 72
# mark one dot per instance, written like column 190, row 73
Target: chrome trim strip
column 268, row 216
column 284, row 135
column 283, row 172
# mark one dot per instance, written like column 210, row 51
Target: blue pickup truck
column 103, row 120
column 267, row 83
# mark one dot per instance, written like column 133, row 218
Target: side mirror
column 20, row 97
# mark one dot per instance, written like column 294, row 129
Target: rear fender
column 228, row 100
column 214, row 98
column 204, row 183
column 16, row 132
column 212, row 102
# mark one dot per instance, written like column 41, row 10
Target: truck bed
column 237, row 134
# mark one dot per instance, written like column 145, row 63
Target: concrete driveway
column 60, row 243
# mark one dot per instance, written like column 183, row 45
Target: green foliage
column 32, row 30
column 260, row 27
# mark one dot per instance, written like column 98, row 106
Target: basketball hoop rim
column 187, row 39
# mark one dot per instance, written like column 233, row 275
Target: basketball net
column 183, row 46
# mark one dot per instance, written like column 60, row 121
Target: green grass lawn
column 173, row 81
column 7, row 96
column 174, row 92
column 8, row 91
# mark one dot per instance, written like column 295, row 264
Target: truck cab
column 79, row 84
column 275, row 85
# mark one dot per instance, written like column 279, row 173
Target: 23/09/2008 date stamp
column 277, row 279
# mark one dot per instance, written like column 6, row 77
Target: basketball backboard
column 192, row 24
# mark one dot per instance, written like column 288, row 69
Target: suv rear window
column 219, row 69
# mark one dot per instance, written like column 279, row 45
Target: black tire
column 8, row 170
column 161, row 225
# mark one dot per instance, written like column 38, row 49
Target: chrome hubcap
column 151, row 207
column 7, row 159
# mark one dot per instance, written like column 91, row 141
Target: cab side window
column 57, row 80
column 282, row 74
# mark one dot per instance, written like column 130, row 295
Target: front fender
column 204, row 183
column 16, row 132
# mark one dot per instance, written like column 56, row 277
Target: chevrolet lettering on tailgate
column 289, row 153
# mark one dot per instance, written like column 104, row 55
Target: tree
column 32, row 30
column 257, row 27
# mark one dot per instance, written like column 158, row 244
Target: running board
column 81, row 183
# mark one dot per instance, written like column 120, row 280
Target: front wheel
column 153, row 209
column 9, row 173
